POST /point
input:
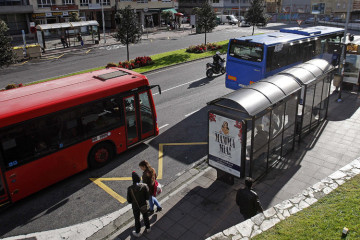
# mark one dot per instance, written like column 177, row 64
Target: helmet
column 217, row 53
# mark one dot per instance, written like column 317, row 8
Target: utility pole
column 103, row 19
column 239, row 14
column 291, row 3
column 343, row 49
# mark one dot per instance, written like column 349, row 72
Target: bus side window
column 269, row 58
column 100, row 116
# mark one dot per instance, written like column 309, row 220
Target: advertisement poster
column 225, row 138
column 351, row 70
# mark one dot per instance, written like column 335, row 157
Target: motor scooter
column 211, row 69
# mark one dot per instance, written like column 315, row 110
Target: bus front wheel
column 101, row 154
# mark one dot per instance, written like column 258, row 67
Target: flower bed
column 203, row 48
column 136, row 63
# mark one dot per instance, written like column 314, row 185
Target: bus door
column 131, row 117
column 147, row 121
column 4, row 197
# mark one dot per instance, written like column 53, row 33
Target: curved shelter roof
column 66, row 25
column 257, row 97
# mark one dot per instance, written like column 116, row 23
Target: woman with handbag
column 137, row 195
column 149, row 177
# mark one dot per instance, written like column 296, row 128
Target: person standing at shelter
column 63, row 41
column 149, row 177
column 248, row 201
column 137, row 194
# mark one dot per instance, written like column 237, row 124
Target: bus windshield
column 246, row 50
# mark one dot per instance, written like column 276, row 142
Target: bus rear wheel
column 100, row 155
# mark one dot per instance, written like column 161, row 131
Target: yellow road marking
column 99, row 181
column 88, row 51
column 50, row 58
column 161, row 154
column 19, row 64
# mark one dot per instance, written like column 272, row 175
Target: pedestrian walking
column 63, row 41
column 137, row 195
column 247, row 200
column 149, row 177
column 80, row 39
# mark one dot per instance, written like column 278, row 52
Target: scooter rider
column 217, row 59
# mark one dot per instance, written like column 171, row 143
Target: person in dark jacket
column 217, row 60
column 248, row 201
column 140, row 192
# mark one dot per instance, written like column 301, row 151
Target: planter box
column 19, row 54
column 34, row 51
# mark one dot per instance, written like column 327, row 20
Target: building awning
column 173, row 10
column 66, row 25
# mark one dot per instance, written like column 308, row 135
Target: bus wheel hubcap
column 101, row 155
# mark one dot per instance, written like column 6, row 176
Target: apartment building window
column 142, row 1
column 68, row 2
column 104, row 2
column 45, row 3
column 84, row 2
column 215, row 1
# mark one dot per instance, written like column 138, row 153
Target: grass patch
column 160, row 60
column 324, row 219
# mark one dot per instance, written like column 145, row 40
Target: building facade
column 336, row 8
column 17, row 15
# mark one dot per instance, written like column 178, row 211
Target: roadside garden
column 324, row 219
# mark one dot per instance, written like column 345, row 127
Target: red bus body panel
column 36, row 100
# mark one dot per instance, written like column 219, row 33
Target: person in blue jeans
column 149, row 177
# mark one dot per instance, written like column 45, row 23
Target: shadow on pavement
column 56, row 196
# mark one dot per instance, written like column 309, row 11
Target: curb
column 125, row 221
column 272, row 216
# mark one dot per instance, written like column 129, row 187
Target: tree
column 128, row 29
column 256, row 15
column 167, row 16
column 7, row 55
column 74, row 17
column 206, row 18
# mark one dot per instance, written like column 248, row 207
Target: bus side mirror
column 158, row 86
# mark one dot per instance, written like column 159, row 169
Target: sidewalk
column 202, row 206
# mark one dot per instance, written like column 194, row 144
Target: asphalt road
column 182, row 117
column 77, row 61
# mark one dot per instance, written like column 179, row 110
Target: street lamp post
column 342, row 57
column 103, row 19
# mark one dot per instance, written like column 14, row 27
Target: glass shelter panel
column 308, row 107
column 260, row 145
column 325, row 95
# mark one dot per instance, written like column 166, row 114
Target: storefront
column 57, row 14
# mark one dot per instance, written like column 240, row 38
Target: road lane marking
column 19, row 64
column 161, row 153
column 88, row 51
column 191, row 113
column 164, row 126
column 171, row 68
column 162, row 91
column 98, row 181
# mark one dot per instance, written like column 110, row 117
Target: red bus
column 52, row 130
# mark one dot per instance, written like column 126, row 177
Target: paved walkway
column 203, row 206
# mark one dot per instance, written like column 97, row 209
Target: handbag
column 144, row 208
column 157, row 188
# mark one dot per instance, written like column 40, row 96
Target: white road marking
column 170, row 68
column 162, row 91
column 164, row 126
column 191, row 113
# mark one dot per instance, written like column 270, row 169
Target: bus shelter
column 316, row 76
column 67, row 29
column 252, row 129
